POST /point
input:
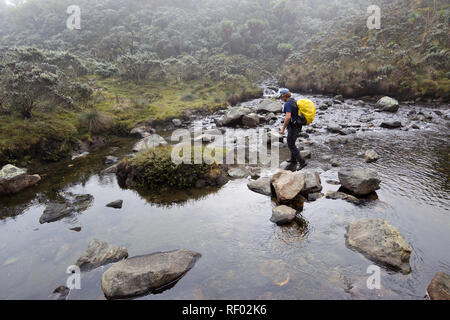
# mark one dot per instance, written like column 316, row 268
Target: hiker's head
column 284, row 95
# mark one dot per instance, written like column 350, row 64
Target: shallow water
column 244, row 255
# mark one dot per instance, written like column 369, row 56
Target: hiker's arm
column 286, row 122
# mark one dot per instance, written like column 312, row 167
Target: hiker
column 293, row 123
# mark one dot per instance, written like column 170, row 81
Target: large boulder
column 287, row 184
column 269, row 106
column 439, row 288
column 150, row 142
column 262, row 186
column 283, row 215
column 56, row 211
column 380, row 242
column 100, row 253
column 359, row 181
column 146, row 274
column 234, row 116
column 14, row 180
column 388, row 104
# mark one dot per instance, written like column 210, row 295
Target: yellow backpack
column 308, row 109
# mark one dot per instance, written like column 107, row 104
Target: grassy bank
column 50, row 136
column 407, row 58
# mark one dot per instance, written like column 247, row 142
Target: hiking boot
column 301, row 166
column 301, row 163
column 292, row 160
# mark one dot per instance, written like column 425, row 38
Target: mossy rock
column 154, row 169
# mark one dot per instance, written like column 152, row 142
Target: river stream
column 244, row 255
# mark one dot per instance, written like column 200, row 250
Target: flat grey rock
column 359, row 181
column 56, row 211
column 146, row 274
column 262, row 186
column 100, row 253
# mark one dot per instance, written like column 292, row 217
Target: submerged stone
column 56, row 211
column 439, row 288
column 380, row 242
column 100, row 253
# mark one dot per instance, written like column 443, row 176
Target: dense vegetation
column 141, row 60
column 408, row 57
column 154, row 170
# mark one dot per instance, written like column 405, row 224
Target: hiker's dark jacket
column 296, row 121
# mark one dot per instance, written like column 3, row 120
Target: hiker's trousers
column 293, row 134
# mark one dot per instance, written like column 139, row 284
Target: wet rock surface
column 14, row 180
column 381, row 243
column 60, row 293
column 238, row 173
column 250, row 120
column 269, row 106
column 283, row 215
column 82, row 202
column 115, row 204
column 359, row 181
column 335, row 195
column 391, row 124
column 287, row 184
column 388, row 104
column 439, row 288
column 100, row 253
column 261, row 185
column 146, row 274
column 56, row 211
column 371, row 156
column 234, row 116
column 312, row 183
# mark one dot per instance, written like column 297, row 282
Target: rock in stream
column 146, row 274
column 380, row 242
column 359, row 181
column 439, row 288
column 14, row 180
column 100, row 253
